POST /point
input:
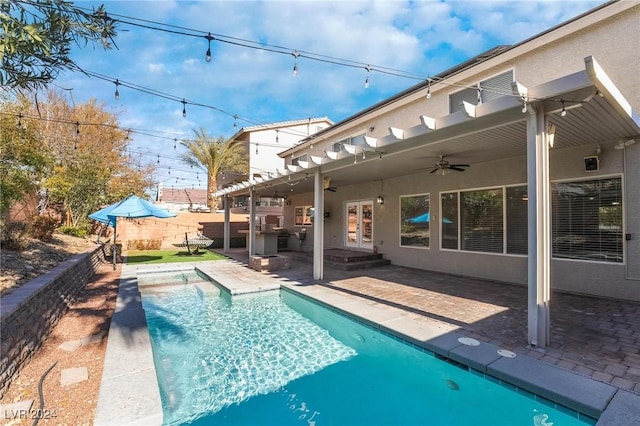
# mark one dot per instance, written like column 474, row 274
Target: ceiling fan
column 444, row 166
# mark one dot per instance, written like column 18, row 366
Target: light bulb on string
column 563, row 113
column 158, row 161
column 117, row 93
column 235, row 120
column 207, row 56
column 295, row 65
column 20, row 121
column 367, row 81
column 175, row 142
column 184, row 108
column 277, row 136
column 429, row 89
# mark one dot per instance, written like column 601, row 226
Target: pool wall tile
column 567, row 388
column 624, row 409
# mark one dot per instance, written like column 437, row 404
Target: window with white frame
column 485, row 91
column 296, row 160
column 414, row 220
column 517, row 224
column 587, row 220
column 479, row 220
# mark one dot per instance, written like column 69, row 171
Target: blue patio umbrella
column 424, row 218
column 132, row 206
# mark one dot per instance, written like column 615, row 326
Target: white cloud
column 422, row 37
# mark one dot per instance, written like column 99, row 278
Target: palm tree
column 215, row 156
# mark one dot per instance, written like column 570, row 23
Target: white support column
column 226, row 230
column 539, row 211
column 251, row 236
column 318, row 225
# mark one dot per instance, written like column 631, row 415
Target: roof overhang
column 597, row 112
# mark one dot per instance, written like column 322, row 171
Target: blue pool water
column 279, row 359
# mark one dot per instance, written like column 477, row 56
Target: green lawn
column 170, row 256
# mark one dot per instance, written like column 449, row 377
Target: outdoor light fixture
column 295, row 65
column 367, row 81
column 207, row 56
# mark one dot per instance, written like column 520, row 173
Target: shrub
column 14, row 236
column 80, row 232
column 42, row 227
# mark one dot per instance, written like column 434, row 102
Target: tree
column 214, row 156
column 23, row 161
column 37, row 37
column 87, row 165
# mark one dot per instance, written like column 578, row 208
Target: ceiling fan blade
column 435, row 170
column 331, row 189
column 457, row 169
column 459, row 165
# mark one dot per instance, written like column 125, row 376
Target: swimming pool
column 280, row 359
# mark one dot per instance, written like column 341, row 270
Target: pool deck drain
column 129, row 393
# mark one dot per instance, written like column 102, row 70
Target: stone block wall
column 29, row 313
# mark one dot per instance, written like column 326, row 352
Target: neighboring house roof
column 184, row 196
column 279, row 125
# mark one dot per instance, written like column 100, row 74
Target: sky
column 246, row 83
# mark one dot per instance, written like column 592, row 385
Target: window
column 490, row 89
column 356, row 140
column 296, row 161
column 587, row 220
column 414, row 221
column 303, row 215
column 517, row 220
column 481, row 220
column 449, row 208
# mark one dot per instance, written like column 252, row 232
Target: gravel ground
column 86, row 324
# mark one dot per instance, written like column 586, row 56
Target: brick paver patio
column 592, row 336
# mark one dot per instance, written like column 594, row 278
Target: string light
column 295, row 65
column 207, row 56
column 277, row 135
column 235, row 120
column 429, row 89
column 257, row 148
column 367, row 81
column 563, row 113
column 117, row 93
column 175, row 142
column 184, row 108
column 479, row 95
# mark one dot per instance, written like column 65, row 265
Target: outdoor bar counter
column 266, row 242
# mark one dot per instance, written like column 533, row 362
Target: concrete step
column 345, row 260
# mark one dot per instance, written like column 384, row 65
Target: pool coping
column 129, row 392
